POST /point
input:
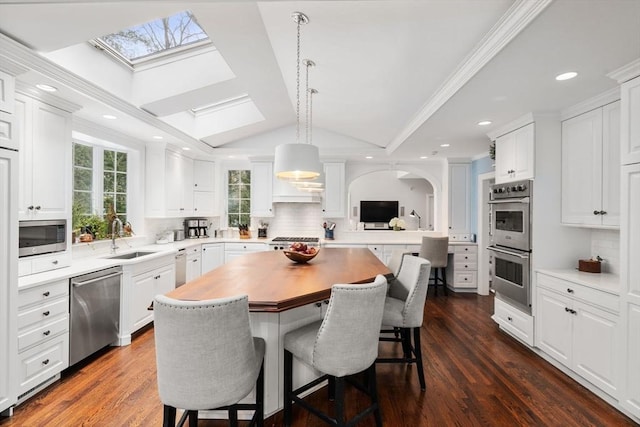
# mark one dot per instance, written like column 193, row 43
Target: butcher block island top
column 275, row 283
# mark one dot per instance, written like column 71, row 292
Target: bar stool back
column 436, row 250
column 207, row 358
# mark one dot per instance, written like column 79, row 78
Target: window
column 238, row 197
column 99, row 188
column 155, row 38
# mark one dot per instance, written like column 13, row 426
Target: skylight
column 155, row 38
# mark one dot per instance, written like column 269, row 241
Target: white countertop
column 602, row 281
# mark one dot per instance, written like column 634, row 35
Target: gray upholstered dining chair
column 436, row 250
column 395, row 261
column 344, row 343
column 207, row 358
column 404, row 311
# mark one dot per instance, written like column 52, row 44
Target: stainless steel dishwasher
column 95, row 312
column 181, row 267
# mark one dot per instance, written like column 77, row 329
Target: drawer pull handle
column 45, row 362
column 570, row 310
column 54, row 262
column 570, row 290
column 156, row 277
column 38, row 208
column 46, row 313
column 510, row 319
column 596, row 212
column 46, row 333
column 30, row 207
column 46, row 294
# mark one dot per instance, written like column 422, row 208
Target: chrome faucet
column 113, row 233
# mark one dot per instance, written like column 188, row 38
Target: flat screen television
column 378, row 211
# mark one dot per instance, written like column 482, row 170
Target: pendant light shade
column 297, row 161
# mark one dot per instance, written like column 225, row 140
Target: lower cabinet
column 464, row 274
column 194, row 263
column 513, row 321
column 234, row 250
column 578, row 326
column 145, row 287
column 43, row 335
column 212, row 256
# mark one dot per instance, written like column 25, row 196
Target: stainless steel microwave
column 42, row 237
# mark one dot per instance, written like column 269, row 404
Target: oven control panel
column 511, row 190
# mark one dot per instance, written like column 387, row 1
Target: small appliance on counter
column 195, row 228
column 178, row 235
column 262, row 230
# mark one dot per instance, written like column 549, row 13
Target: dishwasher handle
column 97, row 279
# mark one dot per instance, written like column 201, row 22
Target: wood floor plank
column 475, row 374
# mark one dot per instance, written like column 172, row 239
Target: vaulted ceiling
column 395, row 79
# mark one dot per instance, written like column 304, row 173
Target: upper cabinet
column 262, row 189
column 515, row 155
column 333, row 202
column 44, row 135
column 591, row 168
column 7, row 85
column 630, row 121
column 8, row 137
column 459, row 200
column 204, row 176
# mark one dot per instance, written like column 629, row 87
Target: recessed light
column 445, row 145
column 566, row 76
column 424, row 157
column 109, row 116
column 46, row 88
column 157, row 137
column 369, row 157
column 186, row 148
column 484, row 123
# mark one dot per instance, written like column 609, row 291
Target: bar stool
column 404, row 310
column 207, row 358
column 436, row 250
column 344, row 343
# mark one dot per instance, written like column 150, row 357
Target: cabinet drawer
column 465, row 258
column 46, row 292
column 514, row 321
column 464, row 280
column 192, row 250
column 43, row 332
column 466, row 266
column 41, row 363
column 50, row 262
column 249, row 247
column 42, row 313
column 580, row 292
column 465, row 249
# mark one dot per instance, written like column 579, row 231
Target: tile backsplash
column 294, row 219
column 606, row 244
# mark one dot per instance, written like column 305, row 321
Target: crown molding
column 47, row 98
column 30, row 60
column 597, row 101
column 511, row 126
column 95, row 130
column 626, row 72
column 518, row 17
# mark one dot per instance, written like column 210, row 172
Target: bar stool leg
column 288, row 387
column 444, row 281
column 418, row 352
column 373, row 392
column 340, row 401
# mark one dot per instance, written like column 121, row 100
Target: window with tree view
column 239, row 197
column 115, row 184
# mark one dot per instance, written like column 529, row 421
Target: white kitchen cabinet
column 212, row 256
column 515, row 155
column 578, row 326
column 44, row 134
column 591, row 168
column 463, row 274
column 39, row 263
column 169, row 184
column 145, row 287
column 43, row 335
column 378, row 251
column 204, row 175
column 235, row 250
column 7, row 88
column 262, row 189
column 8, row 132
column 513, row 321
column 333, row 201
column 630, row 121
column 204, row 204
column 459, row 197
column 629, row 351
column 194, row 263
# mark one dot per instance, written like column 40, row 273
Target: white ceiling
column 395, row 78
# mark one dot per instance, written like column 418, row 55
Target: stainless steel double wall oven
column 511, row 242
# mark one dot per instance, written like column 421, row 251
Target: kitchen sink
column 131, row 255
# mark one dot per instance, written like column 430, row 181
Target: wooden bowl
column 300, row 257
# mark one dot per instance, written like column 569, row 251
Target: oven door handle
column 506, row 252
column 523, row 200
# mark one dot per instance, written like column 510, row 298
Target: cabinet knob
column 30, row 207
column 195, row 260
column 510, row 319
column 45, row 362
column 45, row 333
column 596, row 212
column 46, row 294
column 55, row 262
column 46, row 313
column 195, row 209
column 603, row 212
column 195, row 185
column 38, row 208
column 570, row 290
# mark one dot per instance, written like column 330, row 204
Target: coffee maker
column 195, row 228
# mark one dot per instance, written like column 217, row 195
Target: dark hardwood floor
column 476, row 376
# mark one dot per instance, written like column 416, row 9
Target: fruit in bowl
column 301, row 252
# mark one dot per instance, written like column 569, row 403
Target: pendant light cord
column 298, row 84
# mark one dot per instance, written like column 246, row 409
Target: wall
column 478, row 167
column 606, row 244
column 294, row 219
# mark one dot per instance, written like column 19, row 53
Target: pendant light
column 316, row 185
column 297, row 161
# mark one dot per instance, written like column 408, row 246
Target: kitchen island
column 283, row 296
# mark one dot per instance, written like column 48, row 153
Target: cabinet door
column 505, row 153
column 212, row 257
column 333, row 202
column 378, row 250
column 204, row 203
column 553, row 325
column 143, row 290
column 204, row 175
column 24, row 132
column 629, row 122
column 165, row 280
column 595, row 340
column 459, row 202
column 611, row 164
column 8, row 132
column 582, row 169
column 523, row 162
column 262, row 189
column 194, row 268
column 179, row 183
